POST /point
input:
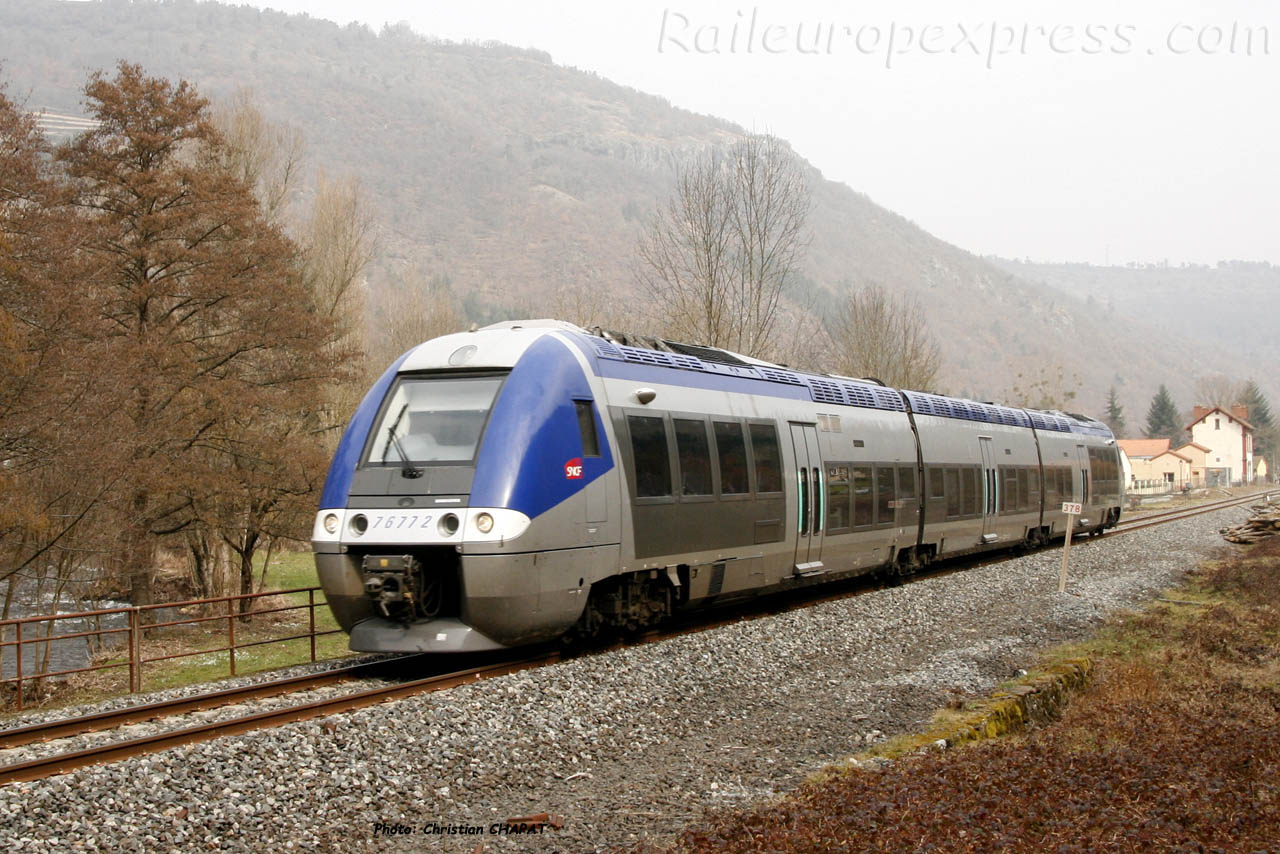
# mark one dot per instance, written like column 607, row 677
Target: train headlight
column 359, row 524
column 484, row 523
column 331, row 523
column 448, row 525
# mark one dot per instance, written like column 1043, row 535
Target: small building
column 1229, row 437
column 1198, row 455
column 1154, row 466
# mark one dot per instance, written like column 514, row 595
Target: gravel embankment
column 626, row 745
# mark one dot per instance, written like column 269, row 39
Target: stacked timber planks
column 1263, row 522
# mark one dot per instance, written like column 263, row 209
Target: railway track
column 41, row 732
column 1165, row 516
column 63, row 762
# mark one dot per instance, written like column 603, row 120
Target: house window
column 1217, row 424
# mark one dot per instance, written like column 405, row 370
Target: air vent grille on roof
column 606, row 349
column 888, row 399
column 778, row 376
column 1045, row 421
column 666, row 360
column 826, row 392
column 706, row 354
column 821, row 389
column 859, row 395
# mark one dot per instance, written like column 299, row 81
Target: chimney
column 1200, row 412
column 1239, row 410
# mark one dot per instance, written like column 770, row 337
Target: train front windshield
column 433, row 420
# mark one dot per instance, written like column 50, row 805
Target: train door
column 1082, row 457
column 990, row 489
column 811, row 498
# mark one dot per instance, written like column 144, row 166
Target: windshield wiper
column 409, row 469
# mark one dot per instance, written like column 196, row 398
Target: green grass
column 288, row 570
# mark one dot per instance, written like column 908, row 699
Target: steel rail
column 62, row 763
column 1186, row 513
column 47, row 731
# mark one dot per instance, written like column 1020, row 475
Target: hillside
column 511, row 178
column 1232, row 307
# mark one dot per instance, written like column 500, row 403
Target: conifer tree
column 1162, row 418
column 1264, row 440
column 1115, row 414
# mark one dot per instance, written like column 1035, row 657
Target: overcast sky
column 1083, row 131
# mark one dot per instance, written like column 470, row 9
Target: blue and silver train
column 532, row 480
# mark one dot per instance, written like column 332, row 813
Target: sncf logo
column 573, row 469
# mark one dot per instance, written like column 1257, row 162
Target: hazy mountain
column 511, row 177
column 1226, row 314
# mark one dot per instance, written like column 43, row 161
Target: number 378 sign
column 1071, row 507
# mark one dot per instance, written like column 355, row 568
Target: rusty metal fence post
column 18, row 635
column 231, row 634
column 311, row 613
column 136, row 622
column 135, row 658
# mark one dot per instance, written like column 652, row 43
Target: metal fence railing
column 30, row 637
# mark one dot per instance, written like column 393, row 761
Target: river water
column 66, row 654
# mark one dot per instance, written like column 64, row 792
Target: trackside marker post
column 1072, row 509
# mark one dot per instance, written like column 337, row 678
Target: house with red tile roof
column 1153, row 464
column 1229, row 437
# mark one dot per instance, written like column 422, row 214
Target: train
column 534, row 480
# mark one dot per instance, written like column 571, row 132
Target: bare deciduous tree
column 717, row 259
column 266, row 156
column 55, row 464
column 886, row 337
column 590, row 306
column 201, row 314
column 337, row 243
column 412, row 309
column 1218, row 390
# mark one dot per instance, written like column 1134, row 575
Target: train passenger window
column 837, row 496
column 863, row 508
column 764, row 447
column 955, row 499
column 969, row 481
column 906, row 482
column 1033, row 489
column 884, row 495
column 732, row 450
column 587, row 427
column 1024, row 498
column 649, row 448
column 694, row 456
column 936, row 488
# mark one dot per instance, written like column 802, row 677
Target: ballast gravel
column 626, row 745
